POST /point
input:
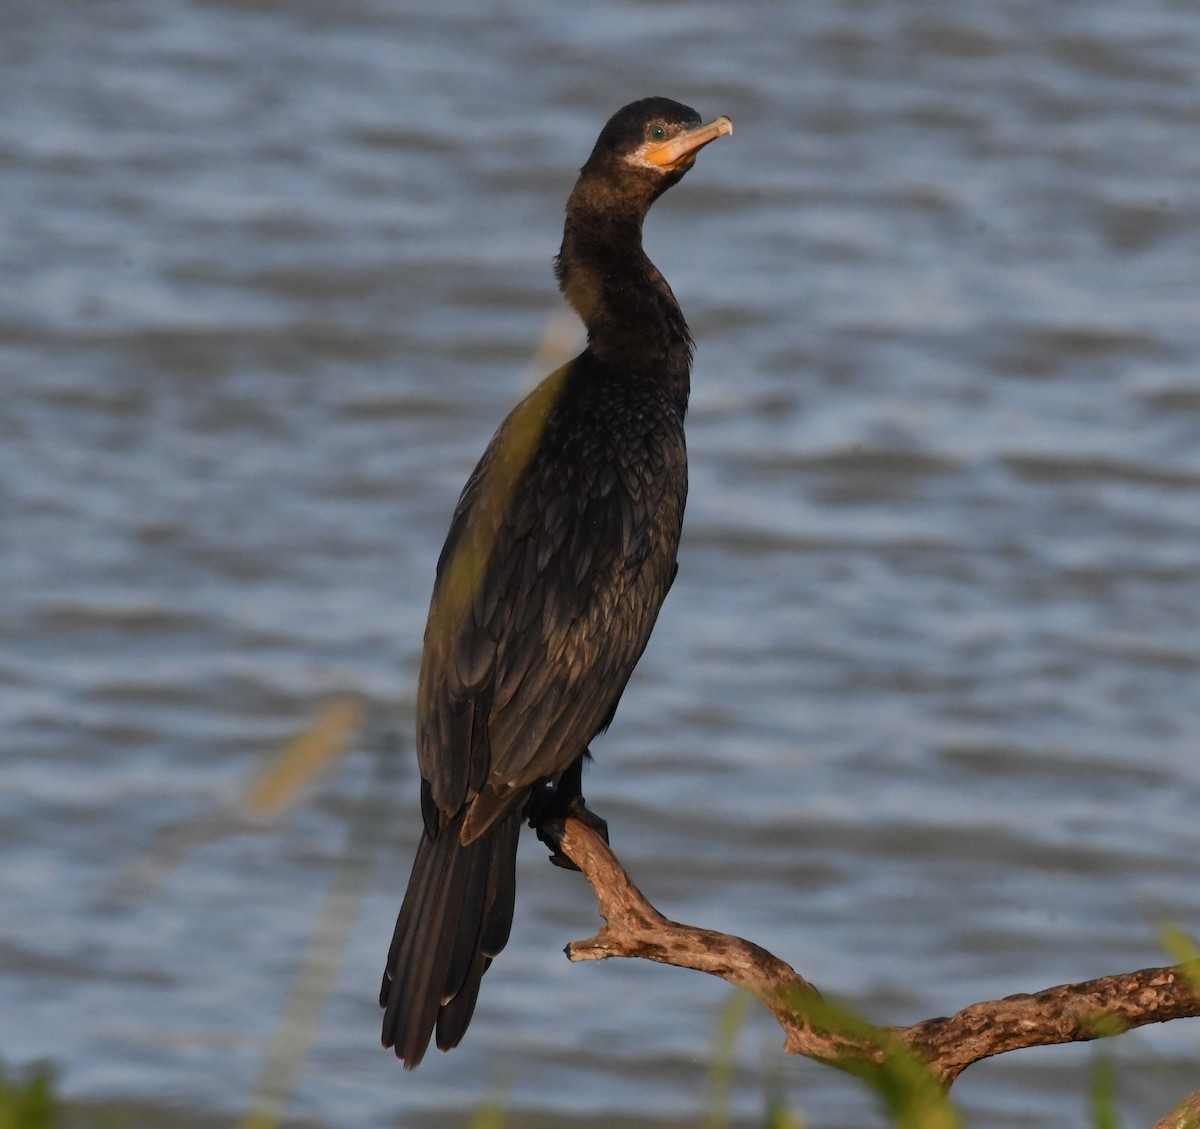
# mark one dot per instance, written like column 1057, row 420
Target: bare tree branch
column 1068, row 1013
column 1186, row 1115
column 1064, row 1014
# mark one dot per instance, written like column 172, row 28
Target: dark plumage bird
column 560, row 553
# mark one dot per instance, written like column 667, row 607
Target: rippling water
column 921, row 713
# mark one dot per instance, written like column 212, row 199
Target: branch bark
column 947, row 1045
column 1186, row 1115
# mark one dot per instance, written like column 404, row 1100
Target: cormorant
column 560, row 552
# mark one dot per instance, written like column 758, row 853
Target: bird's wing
column 546, row 595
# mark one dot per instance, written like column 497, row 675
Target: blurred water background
column 921, row 713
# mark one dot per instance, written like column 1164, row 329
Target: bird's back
column 561, row 552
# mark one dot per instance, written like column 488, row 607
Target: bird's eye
column 658, row 132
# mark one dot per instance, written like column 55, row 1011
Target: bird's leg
column 554, row 802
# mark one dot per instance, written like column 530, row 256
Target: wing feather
column 560, row 552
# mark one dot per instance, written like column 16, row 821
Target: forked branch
column 947, row 1045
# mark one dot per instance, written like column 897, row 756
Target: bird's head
column 647, row 146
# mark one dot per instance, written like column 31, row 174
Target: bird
column 560, row 552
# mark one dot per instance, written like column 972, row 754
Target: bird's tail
column 456, row 917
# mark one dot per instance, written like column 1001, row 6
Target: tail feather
column 502, row 893
column 497, row 924
column 456, row 916
column 454, row 1017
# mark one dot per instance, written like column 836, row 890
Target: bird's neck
column 634, row 324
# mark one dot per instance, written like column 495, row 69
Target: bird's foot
column 551, row 824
